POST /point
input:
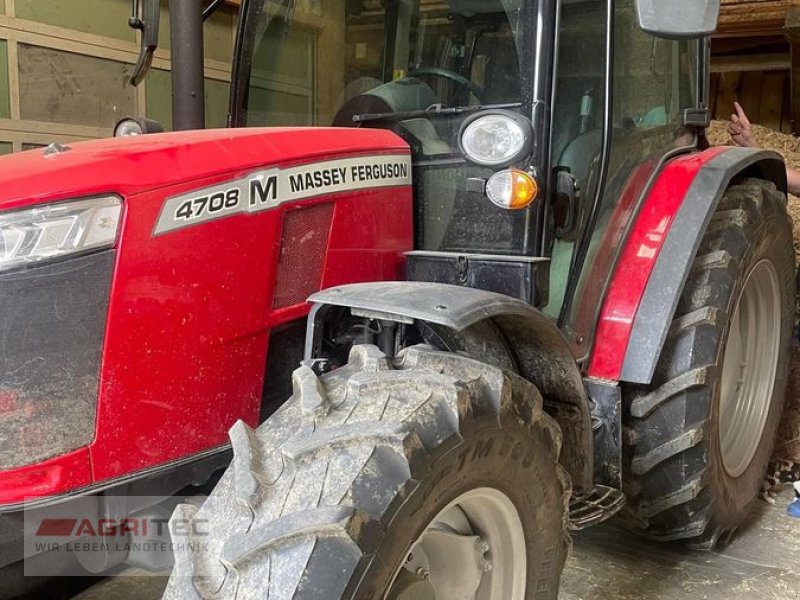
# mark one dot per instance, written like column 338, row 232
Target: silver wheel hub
column 749, row 367
column 474, row 549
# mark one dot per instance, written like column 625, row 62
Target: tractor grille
column 52, row 319
column 303, row 246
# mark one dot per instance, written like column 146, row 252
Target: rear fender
column 663, row 243
column 538, row 350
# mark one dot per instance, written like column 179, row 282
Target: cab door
column 620, row 95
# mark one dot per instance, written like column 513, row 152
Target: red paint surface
column 67, row 472
column 638, row 260
column 191, row 310
column 130, row 166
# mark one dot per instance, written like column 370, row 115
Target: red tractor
column 537, row 299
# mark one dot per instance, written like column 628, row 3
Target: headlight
column 496, row 138
column 57, row 230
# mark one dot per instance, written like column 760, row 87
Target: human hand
column 740, row 129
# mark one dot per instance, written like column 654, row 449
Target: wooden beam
column 752, row 17
column 751, row 44
column 751, row 62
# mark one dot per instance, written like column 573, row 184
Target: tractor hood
column 136, row 314
column 129, row 166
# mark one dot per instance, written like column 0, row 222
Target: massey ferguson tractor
column 461, row 277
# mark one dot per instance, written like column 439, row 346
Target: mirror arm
column 149, row 32
column 211, row 8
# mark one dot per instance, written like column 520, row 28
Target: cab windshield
column 321, row 62
column 415, row 67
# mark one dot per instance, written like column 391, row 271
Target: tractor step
column 591, row 508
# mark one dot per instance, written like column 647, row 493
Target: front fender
column 539, row 349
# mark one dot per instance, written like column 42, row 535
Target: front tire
column 381, row 479
column 700, row 437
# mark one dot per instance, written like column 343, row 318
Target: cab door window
column 654, row 80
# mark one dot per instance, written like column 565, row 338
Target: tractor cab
column 534, row 125
column 422, row 70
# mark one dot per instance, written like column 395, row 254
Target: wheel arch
column 538, row 348
column 627, row 346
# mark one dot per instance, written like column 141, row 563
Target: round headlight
column 496, row 139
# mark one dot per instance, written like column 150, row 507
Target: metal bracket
column 607, row 424
column 697, row 117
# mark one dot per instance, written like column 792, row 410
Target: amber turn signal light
column 512, row 189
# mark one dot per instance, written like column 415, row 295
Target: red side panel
column 68, row 472
column 191, row 312
column 637, row 261
column 191, row 309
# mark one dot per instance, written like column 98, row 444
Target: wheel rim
column 749, row 368
column 474, row 549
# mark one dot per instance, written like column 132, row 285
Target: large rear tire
column 430, row 476
column 700, row 437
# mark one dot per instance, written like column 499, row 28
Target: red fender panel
column 638, row 260
column 652, row 270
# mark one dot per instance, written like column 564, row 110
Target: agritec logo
column 101, row 532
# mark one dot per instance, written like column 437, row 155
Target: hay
column 788, row 440
column 783, row 143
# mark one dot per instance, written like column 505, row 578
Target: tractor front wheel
column 699, row 439
column 431, row 476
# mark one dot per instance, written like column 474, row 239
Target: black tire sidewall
column 734, row 497
column 507, row 459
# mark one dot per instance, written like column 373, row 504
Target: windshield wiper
column 436, row 109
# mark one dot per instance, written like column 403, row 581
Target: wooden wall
column 751, row 62
column 764, row 96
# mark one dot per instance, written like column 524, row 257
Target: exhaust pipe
column 188, row 79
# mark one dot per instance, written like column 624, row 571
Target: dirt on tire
column 676, row 484
column 787, row 446
column 325, row 498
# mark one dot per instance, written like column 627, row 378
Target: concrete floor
column 609, row 563
column 763, row 561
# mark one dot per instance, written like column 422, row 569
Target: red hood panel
column 132, row 165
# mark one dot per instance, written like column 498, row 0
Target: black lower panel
column 286, row 345
column 523, row 279
column 52, row 323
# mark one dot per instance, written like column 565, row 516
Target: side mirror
column 148, row 25
column 678, row 19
